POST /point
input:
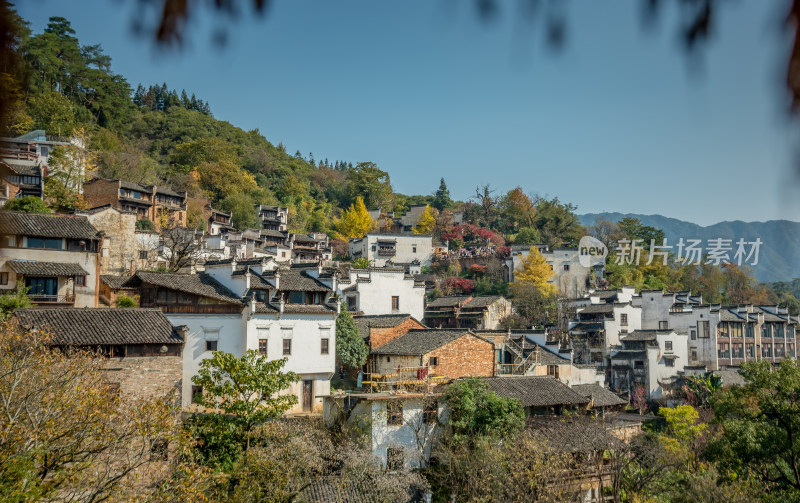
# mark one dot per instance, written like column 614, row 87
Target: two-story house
column 482, row 312
column 383, row 291
column 412, row 252
column 654, row 359
column 160, row 205
column 599, row 327
column 290, row 313
column 56, row 257
column 273, row 218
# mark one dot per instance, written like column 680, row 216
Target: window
column 737, row 350
column 394, row 412
column 143, row 254
column 352, row 304
column 395, row 303
column 723, row 350
column 297, row 297
column 669, row 362
column 566, row 267
column 639, row 364
column 80, row 280
column 211, row 345
column 623, row 319
column 750, row 350
column 662, row 325
column 413, row 248
column 197, row 394
column 388, row 359
column 323, row 349
column 694, row 355
column 394, row 458
column 3, row 278
column 667, row 345
column 552, row 370
column 287, row 347
column 765, row 332
column 702, row 329
column 53, row 244
column 262, row 347
column 430, row 411
column 693, row 334
column 433, row 361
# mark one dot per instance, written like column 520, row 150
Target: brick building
column 446, row 353
column 377, row 330
column 143, row 351
column 160, row 205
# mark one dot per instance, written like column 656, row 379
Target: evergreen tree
column 442, row 197
column 351, row 350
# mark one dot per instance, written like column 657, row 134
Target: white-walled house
column 290, row 313
column 651, row 358
column 376, row 291
column 599, row 328
column 570, row 277
column 411, row 251
column 401, row 426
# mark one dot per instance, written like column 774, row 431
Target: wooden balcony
column 51, row 300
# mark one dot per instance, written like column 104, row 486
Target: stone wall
column 146, row 376
column 466, row 356
column 380, row 336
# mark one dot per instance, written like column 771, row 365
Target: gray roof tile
column 59, row 269
column 599, row 396
column 46, row 225
column 198, row 284
column 535, row 391
column 420, row 342
column 88, row 327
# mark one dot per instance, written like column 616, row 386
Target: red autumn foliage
column 459, row 285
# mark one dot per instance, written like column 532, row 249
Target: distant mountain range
column 779, row 257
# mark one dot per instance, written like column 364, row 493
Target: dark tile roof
column 730, row 377
column 604, row 294
column 597, row 309
column 169, row 192
column 447, row 301
column 115, row 282
column 535, row 391
column 198, row 284
column 59, row 269
column 264, row 308
column 574, row 434
column 644, row 335
column 599, row 396
column 728, row 315
column 296, row 280
column 87, row 326
column 548, row 358
column 46, row 225
column 133, row 186
column 363, row 323
column 274, row 234
column 482, row 301
column 420, row 342
column 23, row 168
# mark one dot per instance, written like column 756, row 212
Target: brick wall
column 100, row 192
column 380, row 336
column 466, row 356
column 146, row 376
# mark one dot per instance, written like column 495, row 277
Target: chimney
column 233, row 264
column 281, row 304
column 247, row 279
column 278, row 280
column 253, row 304
column 319, row 267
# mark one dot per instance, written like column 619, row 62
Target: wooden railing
column 52, row 299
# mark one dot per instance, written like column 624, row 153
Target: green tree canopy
column 351, row 350
column 476, row 411
column 28, row 204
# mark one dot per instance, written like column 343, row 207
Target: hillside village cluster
column 280, row 293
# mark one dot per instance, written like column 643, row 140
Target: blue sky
column 620, row 119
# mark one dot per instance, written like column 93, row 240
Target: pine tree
column 442, row 199
column 355, row 221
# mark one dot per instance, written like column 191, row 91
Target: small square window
column 211, row 345
column 3, row 278
column 414, row 249
column 143, row 254
column 394, row 412
column 430, row 413
column 323, row 350
column 394, row 458
column 667, row 345
column 287, row 347
column 395, row 303
column 566, row 267
column 669, row 362
column 80, row 280
column 197, row 394
column 262, row 347
column 433, row 361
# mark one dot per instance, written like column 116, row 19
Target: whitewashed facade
column 410, row 251
column 383, row 291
